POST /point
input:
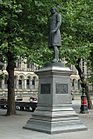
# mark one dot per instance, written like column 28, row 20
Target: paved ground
column 11, row 127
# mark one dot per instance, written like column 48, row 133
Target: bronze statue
column 54, row 41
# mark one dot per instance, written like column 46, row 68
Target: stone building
column 25, row 81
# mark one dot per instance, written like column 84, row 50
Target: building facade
column 25, row 81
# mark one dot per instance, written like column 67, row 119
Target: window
column 33, row 83
column 20, row 84
column 28, row 83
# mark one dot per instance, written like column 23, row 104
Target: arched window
column 33, row 83
column 6, row 82
column 73, row 84
column 20, row 82
column 28, row 83
column 0, row 83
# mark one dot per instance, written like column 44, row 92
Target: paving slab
column 11, row 127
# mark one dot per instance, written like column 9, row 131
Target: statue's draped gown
column 54, row 38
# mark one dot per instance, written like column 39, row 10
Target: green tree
column 11, row 43
column 23, row 33
column 77, row 34
column 18, row 32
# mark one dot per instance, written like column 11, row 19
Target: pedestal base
column 57, row 120
column 54, row 113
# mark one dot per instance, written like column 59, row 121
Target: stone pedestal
column 54, row 113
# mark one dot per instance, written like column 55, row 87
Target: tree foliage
column 77, row 30
column 24, row 30
column 23, row 33
column 24, row 26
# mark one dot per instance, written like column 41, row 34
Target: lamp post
column 84, row 105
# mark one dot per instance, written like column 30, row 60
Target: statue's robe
column 54, row 38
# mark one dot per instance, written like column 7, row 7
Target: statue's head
column 53, row 10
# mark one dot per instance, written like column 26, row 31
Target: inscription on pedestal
column 45, row 88
column 61, row 88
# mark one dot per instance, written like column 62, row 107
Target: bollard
column 84, row 104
